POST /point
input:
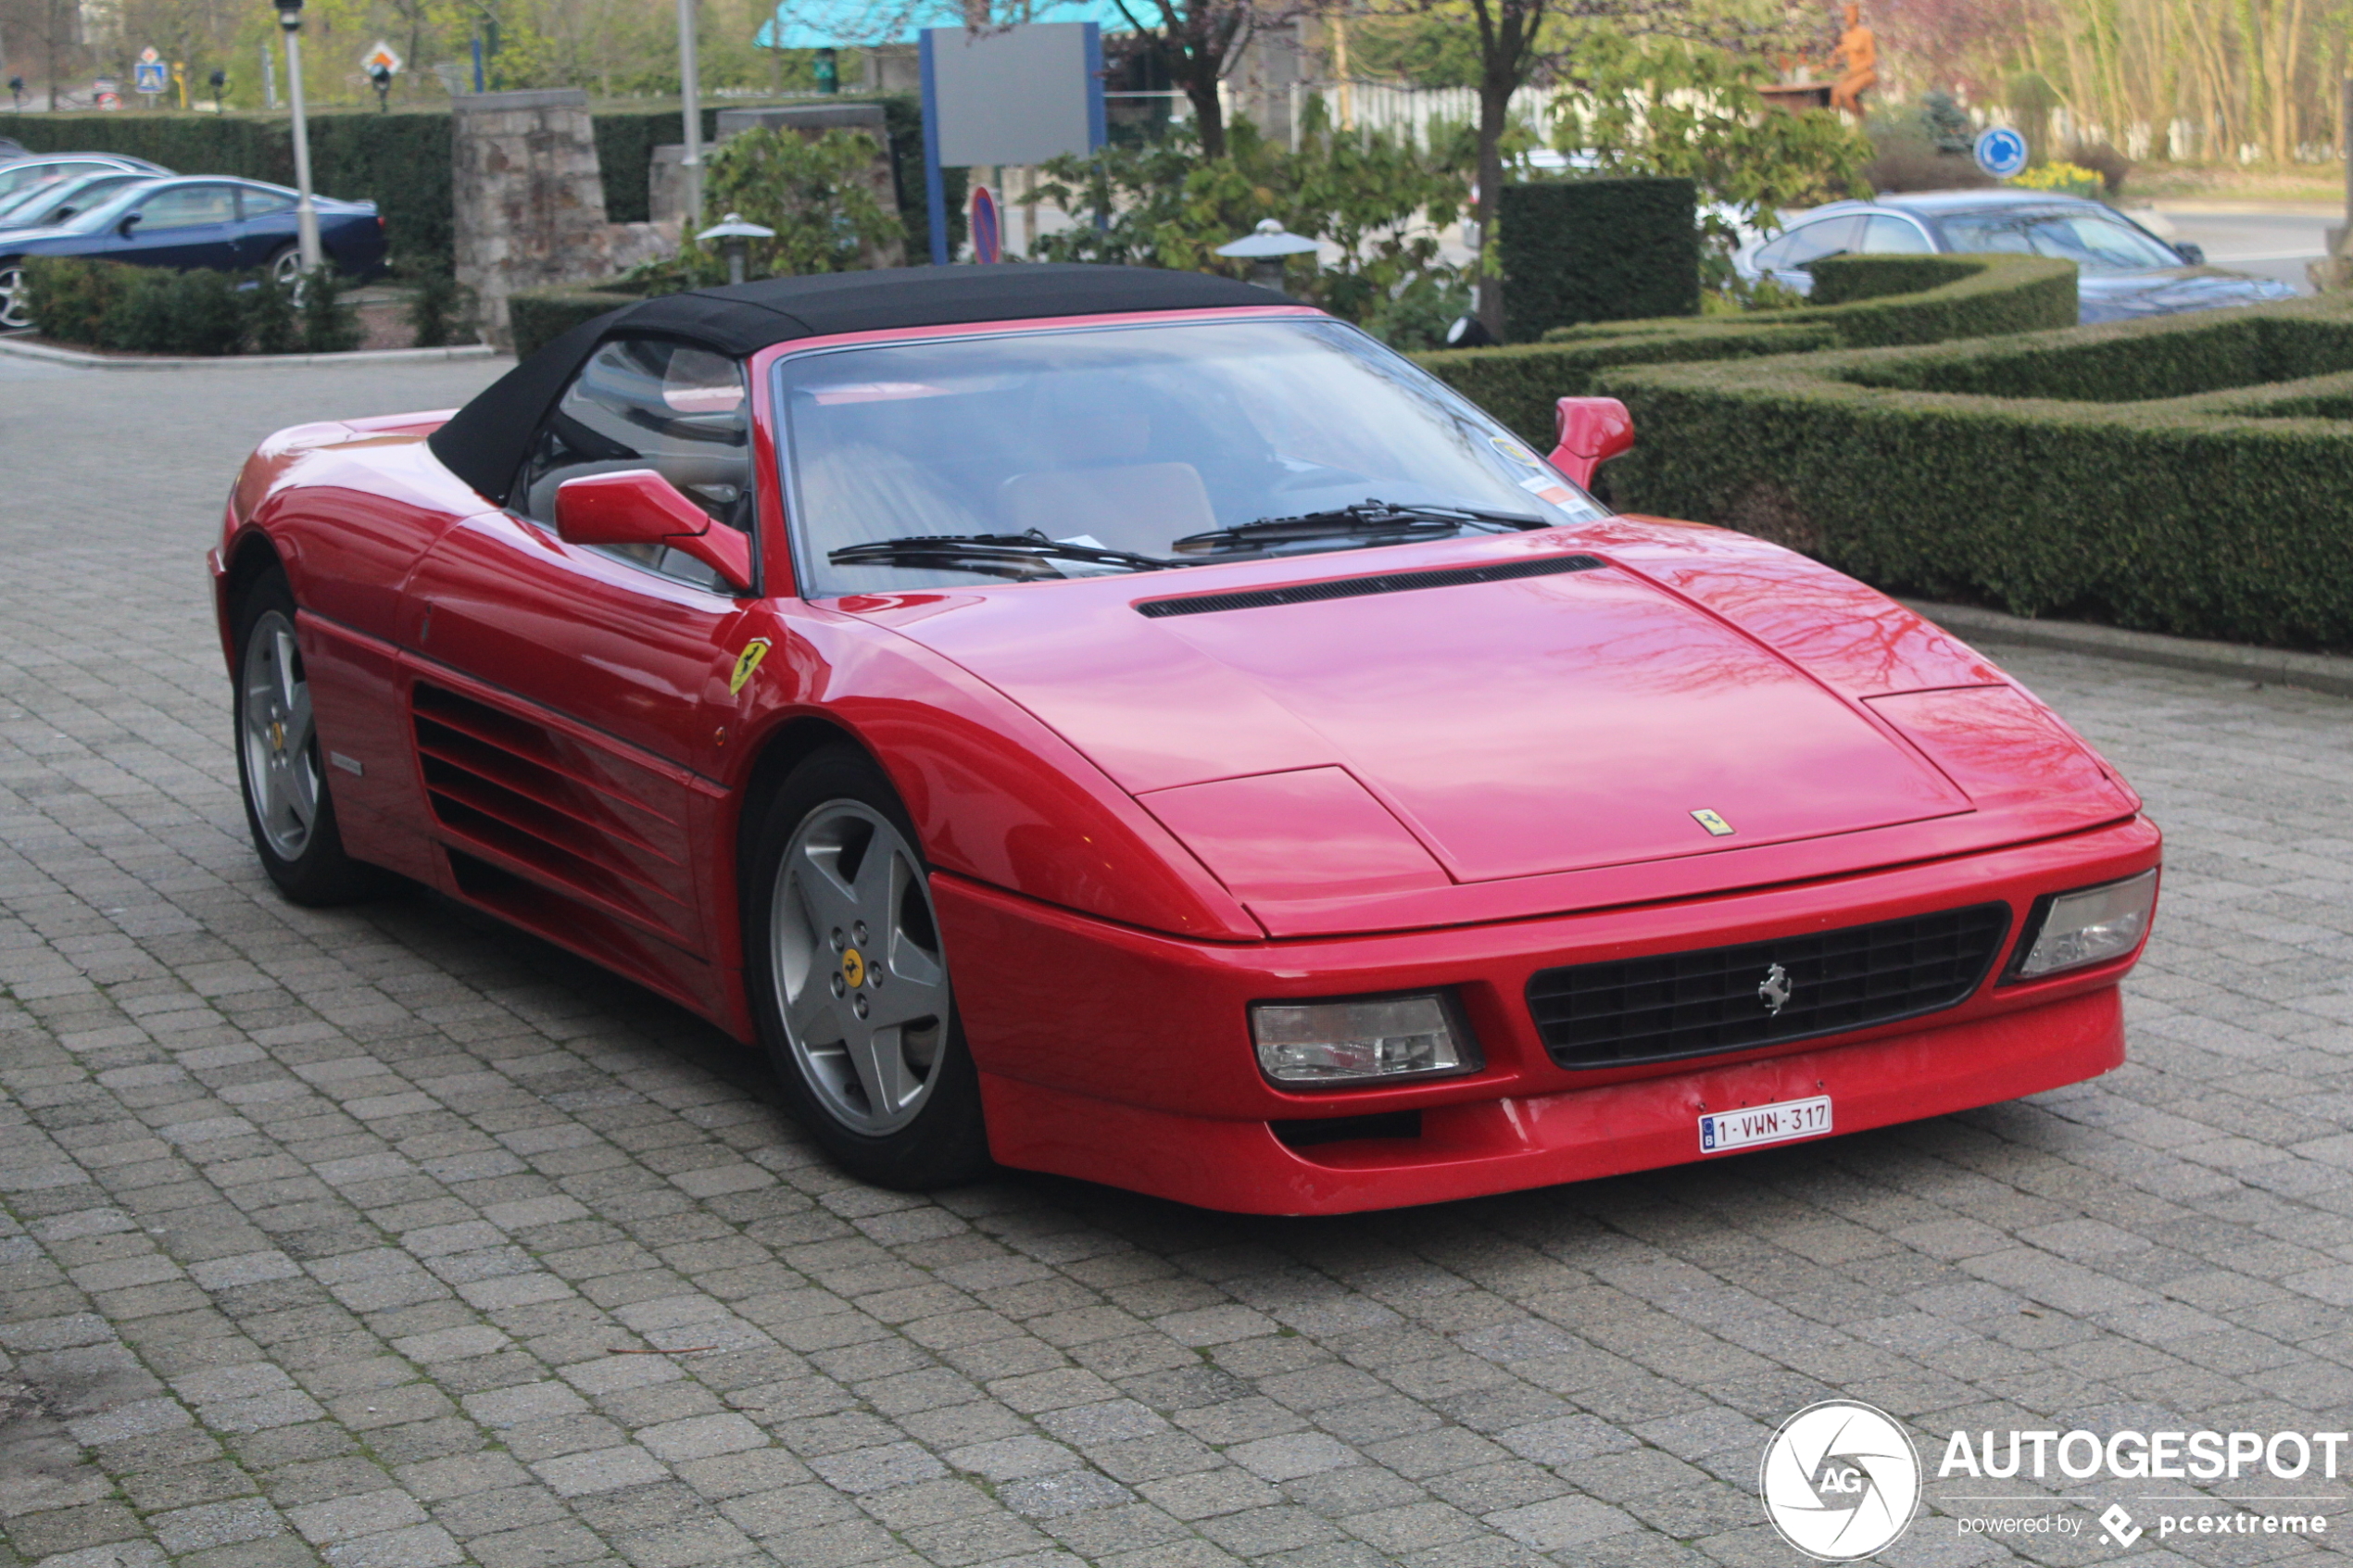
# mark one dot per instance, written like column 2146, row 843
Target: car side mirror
column 639, row 506
column 1591, row 432
column 129, row 221
column 2193, row 256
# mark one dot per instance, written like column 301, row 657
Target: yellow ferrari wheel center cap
column 277, row 738
column 853, row 969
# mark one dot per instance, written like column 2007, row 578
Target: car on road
column 39, row 206
column 42, row 168
column 1124, row 723
column 228, row 225
column 2122, row 270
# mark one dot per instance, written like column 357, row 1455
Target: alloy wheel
column 13, row 311
column 280, row 751
column 861, row 981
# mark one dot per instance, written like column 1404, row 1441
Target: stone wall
column 530, row 201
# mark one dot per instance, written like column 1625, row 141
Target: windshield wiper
column 1018, row 556
column 1370, row 517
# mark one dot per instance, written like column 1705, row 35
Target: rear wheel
column 288, row 808
column 849, row 980
column 285, row 269
column 15, row 309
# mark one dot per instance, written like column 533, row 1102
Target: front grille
column 1699, row 1003
column 1358, row 587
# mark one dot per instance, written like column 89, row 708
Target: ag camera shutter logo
column 1839, row 1481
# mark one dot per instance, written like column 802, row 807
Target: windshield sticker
column 1513, row 450
column 745, row 662
column 1544, row 487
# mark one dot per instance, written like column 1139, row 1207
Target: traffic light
column 827, row 67
column 380, row 77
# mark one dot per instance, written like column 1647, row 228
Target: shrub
column 2183, row 474
column 142, row 309
column 815, row 192
column 1596, row 250
column 436, row 305
column 329, row 323
column 1875, row 301
column 68, row 297
column 271, row 326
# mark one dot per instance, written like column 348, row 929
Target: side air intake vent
column 1359, row 587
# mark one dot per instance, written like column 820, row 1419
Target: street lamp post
column 305, row 210
column 1265, row 248
column 734, row 237
column 691, row 90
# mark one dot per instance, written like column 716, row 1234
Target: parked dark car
column 45, row 207
column 2121, row 269
column 41, row 170
column 228, row 225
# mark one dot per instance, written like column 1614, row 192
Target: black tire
column 938, row 1139
column 309, row 867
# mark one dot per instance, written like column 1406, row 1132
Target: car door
column 183, row 226
column 568, row 699
column 265, row 224
column 1784, row 260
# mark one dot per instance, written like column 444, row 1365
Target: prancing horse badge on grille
column 1774, row 989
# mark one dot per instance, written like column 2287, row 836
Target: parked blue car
column 228, row 225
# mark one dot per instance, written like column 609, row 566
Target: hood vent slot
column 1360, row 587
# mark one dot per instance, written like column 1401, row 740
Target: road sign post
column 147, row 76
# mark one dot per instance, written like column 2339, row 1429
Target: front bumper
column 1123, row 1057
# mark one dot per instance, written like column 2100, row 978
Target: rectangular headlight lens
column 1368, row 1037
column 2090, row 926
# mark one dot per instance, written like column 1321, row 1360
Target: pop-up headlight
column 1361, row 1039
column 2088, row 927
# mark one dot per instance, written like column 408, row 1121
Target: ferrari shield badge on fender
column 1716, row 826
column 745, row 662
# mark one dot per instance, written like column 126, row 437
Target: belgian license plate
column 1765, row 1123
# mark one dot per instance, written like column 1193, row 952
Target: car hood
column 1428, row 734
column 2113, row 296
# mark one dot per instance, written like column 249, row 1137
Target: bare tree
column 1201, row 41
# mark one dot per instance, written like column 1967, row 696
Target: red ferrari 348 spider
column 1127, row 724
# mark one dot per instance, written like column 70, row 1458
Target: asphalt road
column 385, row 1237
column 2270, row 244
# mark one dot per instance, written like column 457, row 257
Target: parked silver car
column 23, row 173
column 2121, row 269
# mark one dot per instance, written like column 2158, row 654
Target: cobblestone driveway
column 389, row 1239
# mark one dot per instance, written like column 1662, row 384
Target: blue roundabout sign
column 2001, row 150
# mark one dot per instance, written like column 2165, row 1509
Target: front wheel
column 849, row 980
column 288, row 808
column 15, row 309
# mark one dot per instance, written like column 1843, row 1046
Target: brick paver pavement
column 389, row 1239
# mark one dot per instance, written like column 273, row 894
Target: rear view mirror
column 639, row 506
column 1591, row 432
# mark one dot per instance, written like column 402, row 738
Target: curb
column 80, row 361
column 2268, row 667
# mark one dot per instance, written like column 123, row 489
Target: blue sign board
column 146, row 76
column 2001, row 150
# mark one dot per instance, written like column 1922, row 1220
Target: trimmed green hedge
column 1518, row 384
column 401, row 161
column 158, row 311
column 1596, row 250
column 2113, row 471
column 539, row 316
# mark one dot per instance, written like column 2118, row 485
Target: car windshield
column 1135, row 442
column 110, row 210
column 2095, row 240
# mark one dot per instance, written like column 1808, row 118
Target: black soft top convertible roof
column 484, row 442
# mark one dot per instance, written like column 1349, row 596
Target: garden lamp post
column 305, row 210
column 734, row 237
column 1265, row 248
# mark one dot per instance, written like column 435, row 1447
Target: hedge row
column 1596, row 250
column 2091, row 485
column 1878, row 300
column 538, row 316
column 401, row 162
column 156, row 310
